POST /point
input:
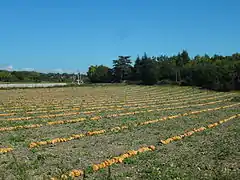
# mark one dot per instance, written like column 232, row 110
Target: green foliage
column 99, row 74
column 32, row 76
column 122, row 68
column 5, row 76
column 148, row 70
column 221, row 73
column 20, row 169
column 236, row 99
column 129, row 161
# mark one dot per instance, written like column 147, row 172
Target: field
column 119, row 132
column 30, row 85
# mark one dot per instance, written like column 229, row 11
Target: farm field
column 119, row 132
column 30, row 85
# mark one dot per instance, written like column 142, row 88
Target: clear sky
column 69, row 35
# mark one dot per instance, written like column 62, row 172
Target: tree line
column 32, row 76
column 218, row 72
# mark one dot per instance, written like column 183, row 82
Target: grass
column 212, row 154
column 209, row 155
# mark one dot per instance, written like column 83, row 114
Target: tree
column 136, row 72
column 19, row 75
column 181, row 60
column 148, row 70
column 236, row 56
column 92, row 73
column 218, row 72
column 122, row 68
column 5, row 76
column 34, row 76
column 99, row 74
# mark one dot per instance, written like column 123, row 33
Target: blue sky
column 61, row 35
